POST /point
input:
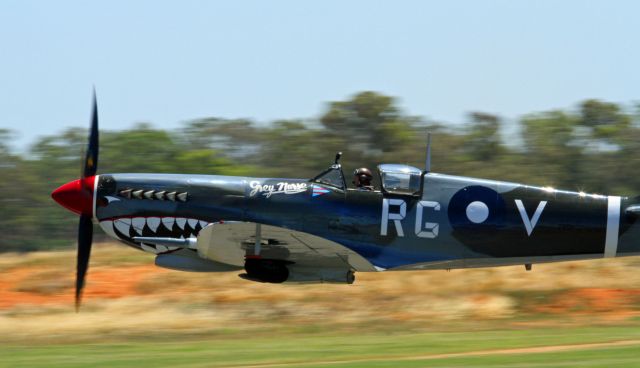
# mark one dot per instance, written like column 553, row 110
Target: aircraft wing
column 231, row 242
column 228, row 246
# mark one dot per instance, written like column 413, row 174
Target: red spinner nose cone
column 76, row 196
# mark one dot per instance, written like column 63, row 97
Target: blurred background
column 543, row 93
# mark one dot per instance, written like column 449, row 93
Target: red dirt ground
column 106, row 282
column 621, row 303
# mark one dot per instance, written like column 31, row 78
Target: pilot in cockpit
column 362, row 179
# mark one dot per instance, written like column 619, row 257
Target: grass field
column 579, row 314
column 543, row 347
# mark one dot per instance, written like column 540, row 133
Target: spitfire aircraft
column 322, row 230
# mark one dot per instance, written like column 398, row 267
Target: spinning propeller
column 78, row 196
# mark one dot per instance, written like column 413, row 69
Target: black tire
column 267, row 270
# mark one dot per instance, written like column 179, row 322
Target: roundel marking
column 477, row 212
column 476, row 208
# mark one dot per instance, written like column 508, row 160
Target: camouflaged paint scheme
column 511, row 226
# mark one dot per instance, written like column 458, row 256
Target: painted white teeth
column 153, row 223
column 107, row 227
column 138, row 224
column 123, row 225
column 193, row 223
column 181, row 221
column 168, row 222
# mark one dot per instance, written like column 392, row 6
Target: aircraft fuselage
column 453, row 222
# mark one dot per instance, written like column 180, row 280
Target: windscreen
column 332, row 177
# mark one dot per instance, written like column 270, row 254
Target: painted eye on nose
column 102, row 202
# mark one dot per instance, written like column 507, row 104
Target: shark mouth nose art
column 170, row 227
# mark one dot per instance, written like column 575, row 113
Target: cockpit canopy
column 395, row 179
column 400, row 179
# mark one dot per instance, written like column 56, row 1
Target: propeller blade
column 85, row 236
column 91, row 157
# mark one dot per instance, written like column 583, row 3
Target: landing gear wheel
column 267, row 270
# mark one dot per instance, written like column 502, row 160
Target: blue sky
column 167, row 62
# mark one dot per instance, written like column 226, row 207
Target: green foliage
column 483, row 140
column 606, row 119
column 593, row 148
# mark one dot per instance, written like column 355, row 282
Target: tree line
column 593, row 146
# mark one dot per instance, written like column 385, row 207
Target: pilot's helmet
column 362, row 177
